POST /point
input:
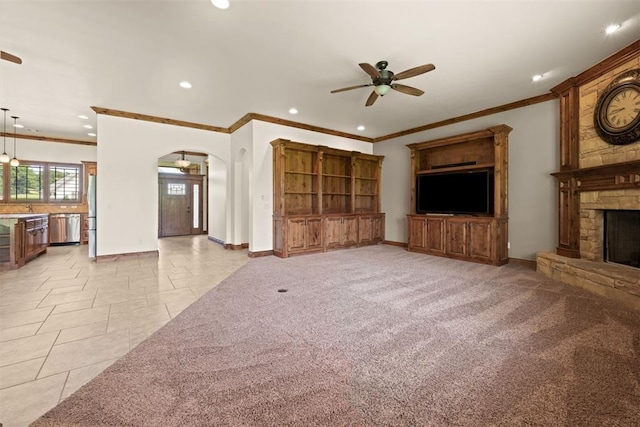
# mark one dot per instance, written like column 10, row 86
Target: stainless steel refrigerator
column 91, row 218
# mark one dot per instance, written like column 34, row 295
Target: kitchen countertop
column 20, row 216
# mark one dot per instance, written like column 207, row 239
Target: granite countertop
column 20, row 216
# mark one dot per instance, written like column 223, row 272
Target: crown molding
column 156, row 119
column 608, row 64
column 49, row 139
column 247, row 118
column 487, row 112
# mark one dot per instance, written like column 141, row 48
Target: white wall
column 52, row 151
column 241, row 155
column 533, row 155
column 127, row 181
column 219, row 205
column 261, row 230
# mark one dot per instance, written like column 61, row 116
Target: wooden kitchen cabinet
column 23, row 237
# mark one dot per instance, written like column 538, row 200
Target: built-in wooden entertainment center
column 324, row 198
column 479, row 237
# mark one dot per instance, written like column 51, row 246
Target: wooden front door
column 180, row 205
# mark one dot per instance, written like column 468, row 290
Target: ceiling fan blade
column 407, row 89
column 350, row 87
column 372, row 98
column 370, row 69
column 11, row 58
column 414, row 71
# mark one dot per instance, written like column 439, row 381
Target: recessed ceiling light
column 91, row 134
column 87, row 127
column 220, row 4
column 360, row 127
column 293, row 111
column 612, row 28
column 18, row 125
column 537, row 77
column 185, row 84
column 83, row 117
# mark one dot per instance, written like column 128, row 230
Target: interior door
column 180, row 205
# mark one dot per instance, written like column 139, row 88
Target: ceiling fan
column 9, row 57
column 383, row 80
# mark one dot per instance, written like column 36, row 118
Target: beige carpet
column 376, row 336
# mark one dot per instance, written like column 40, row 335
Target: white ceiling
column 264, row 56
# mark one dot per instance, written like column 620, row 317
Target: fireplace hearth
column 622, row 237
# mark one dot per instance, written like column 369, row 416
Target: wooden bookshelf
column 324, row 198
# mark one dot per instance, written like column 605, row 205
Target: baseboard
column 218, row 241
column 236, row 247
column 392, row 243
column 260, row 254
column 525, row 262
column 130, row 255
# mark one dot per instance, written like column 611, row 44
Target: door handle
column 188, row 209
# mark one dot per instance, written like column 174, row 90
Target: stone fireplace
column 622, row 237
column 594, row 177
column 590, row 271
column 593, row 207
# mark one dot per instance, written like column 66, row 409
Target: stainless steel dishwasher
column 64, row 228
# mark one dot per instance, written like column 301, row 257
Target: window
column 176, row 189
column 41, row 182
column 64, row 183
column 26, row 182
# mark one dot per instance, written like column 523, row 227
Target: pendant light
column 4, row 158
column 182, row 162
column 14, row 162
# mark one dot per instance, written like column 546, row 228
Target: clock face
column 617, row 112
column 622, row 108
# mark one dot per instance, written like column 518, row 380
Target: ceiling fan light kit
column 383, row 80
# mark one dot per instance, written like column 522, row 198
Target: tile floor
column 64, row 318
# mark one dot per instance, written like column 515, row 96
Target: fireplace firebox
column 622, row 237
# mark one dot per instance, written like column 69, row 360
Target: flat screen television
column 465, row 192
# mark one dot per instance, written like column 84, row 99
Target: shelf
column 456, row 168
column 301, row 173
column 366, row 195
column 335, row 194
column 306, row 193
column 329, row 175
column 366, row 178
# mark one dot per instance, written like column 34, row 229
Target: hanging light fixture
column 4, row 158
column 182, row 162
column 14, row 162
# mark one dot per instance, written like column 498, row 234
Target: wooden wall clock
column 617, row 114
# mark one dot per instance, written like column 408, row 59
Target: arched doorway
column 182, row 194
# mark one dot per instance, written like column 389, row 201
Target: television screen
column 468, row 192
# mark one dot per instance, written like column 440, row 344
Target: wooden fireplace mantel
column 598, row 178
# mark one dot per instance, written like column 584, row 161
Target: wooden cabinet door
column 416, row 233
column 377, row 228
column 349, row 231
column 365, row 230
column 435, row 234
column 457, row 237
column 314, row 234
column 296, row 232
column 480, row 239
column 333, row 232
